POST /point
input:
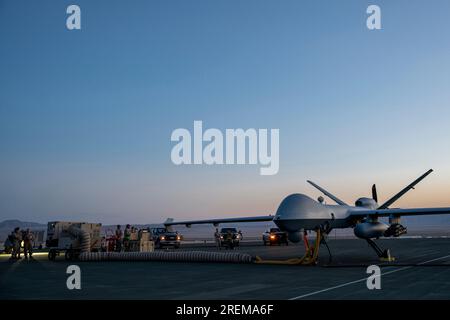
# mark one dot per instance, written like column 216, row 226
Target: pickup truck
column 274, row 236
column 164, row 238
column 229, row 238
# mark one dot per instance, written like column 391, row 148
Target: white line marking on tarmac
column 425, row 254
column 428, row 261
column 363, row 279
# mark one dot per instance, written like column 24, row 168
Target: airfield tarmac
column 421, row 271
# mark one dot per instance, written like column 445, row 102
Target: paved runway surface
column 421, row 271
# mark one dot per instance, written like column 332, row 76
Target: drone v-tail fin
column 329, row 195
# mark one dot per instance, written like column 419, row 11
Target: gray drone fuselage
column 298, row 211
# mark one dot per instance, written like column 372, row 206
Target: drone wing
column 215, row 222
column 400, row 212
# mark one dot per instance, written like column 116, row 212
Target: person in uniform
column 126, row 237
column 217, row 238
column 118, row 235
column 17, row 241
column 28, row 243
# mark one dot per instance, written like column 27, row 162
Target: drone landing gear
column 309, row 258
column 311, row 252
column 384, row 255
column 330, row 257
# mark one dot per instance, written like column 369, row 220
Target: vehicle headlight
column 272, row 236
column 162, row 238
column 178, row 238
column 221, row 237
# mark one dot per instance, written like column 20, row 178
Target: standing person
column 12, row 244
column 126, row 238
column 240, row 235
column 217, row 238
column 119, row 235
column 17, row 236
column 9, row 244
column 103, row 244
column 28, row 243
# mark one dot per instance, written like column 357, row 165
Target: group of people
column 123, row 238
column 16, row 238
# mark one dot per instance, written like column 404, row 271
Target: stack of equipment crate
column 145, row 241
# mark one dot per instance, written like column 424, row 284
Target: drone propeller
column 374, row 193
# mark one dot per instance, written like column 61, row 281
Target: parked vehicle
column 274, row 236
column 165, row 238
column 71, row 238
column 229, row 238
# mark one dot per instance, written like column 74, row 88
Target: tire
column 69, row 255
column 52, row 255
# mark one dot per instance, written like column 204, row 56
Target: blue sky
column 86, row 116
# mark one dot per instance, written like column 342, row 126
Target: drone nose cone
column 295, row 204
column 296, row 210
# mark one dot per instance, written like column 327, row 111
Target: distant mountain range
column 11, row 224
column 7, row 226
column 421, row 224
column 438, row 220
